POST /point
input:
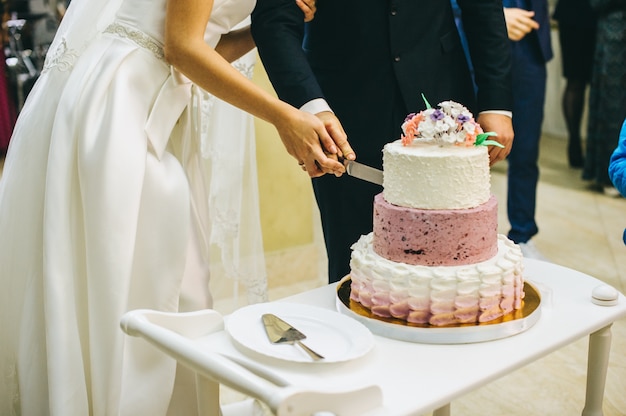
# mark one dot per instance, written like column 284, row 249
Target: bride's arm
column 303, row 135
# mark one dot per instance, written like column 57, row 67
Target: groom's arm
column 485, row 27
column 278, row 30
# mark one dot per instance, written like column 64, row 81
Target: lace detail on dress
column 138, row 37
column 228, row 154
column 207, row 102
column 244, row 67
column 60, row 58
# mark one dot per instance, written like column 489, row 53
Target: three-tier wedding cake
column 435, row 256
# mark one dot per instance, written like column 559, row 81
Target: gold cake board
column 514, row 323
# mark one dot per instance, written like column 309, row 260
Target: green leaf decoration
column 481, row 140
column 493, row 143
column 428, row 106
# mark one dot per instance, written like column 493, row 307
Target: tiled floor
column 579, row 229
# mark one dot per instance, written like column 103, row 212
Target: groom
column 362, row 67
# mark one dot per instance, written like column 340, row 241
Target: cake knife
column 364, row 172
column 279, row 331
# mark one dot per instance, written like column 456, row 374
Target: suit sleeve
column 278, row 30
column 490, row 51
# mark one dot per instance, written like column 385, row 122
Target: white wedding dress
column 111, row 194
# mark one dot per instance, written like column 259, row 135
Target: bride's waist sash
column 138, row 37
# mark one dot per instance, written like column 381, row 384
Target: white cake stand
column 514, row 323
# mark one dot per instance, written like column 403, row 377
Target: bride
column 104, row 198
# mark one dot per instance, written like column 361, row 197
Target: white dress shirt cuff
column 503, row 112
column 316, row 106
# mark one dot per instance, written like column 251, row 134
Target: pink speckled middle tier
column 435, row 237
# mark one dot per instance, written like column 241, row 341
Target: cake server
column 279, row 331
column 361, row 171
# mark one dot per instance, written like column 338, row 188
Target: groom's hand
column 502, row 125
column 308, row 8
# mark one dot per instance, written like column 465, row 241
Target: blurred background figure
column 528, row 27
column 7, row 108
column 617, row 166
column 607, row 93
column 7, row 111
column 577, row 34
column 28, row 27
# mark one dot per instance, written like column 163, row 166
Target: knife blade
column 364, row 172
column 279, row 331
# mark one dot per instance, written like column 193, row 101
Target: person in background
column 7, row 111
column 7, row 104
column 607, row 93
column 528, row 27
column 577, row 34
column 363, row 69
column 60, row 6
column 617, row 166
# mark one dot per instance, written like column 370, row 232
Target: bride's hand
column 305, row 137
column 308, row 8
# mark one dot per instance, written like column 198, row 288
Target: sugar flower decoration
column 450, row 123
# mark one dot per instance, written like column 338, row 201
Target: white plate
column 333, row 335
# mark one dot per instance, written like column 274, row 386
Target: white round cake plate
column 458, row 334
column 338, row 338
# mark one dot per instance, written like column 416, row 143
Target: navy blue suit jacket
column 363, row 58
column 371, row 61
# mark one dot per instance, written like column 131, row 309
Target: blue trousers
column 529, row 89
